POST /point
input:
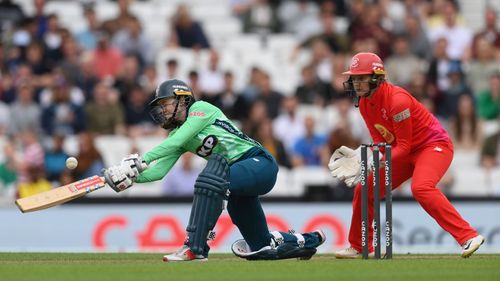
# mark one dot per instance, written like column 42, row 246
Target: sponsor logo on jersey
column 405, row 114
column 386, row 134
column 197, row 113
column 207, row 146
column 232, row 130
column 384, row 114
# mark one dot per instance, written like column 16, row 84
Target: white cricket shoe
column 351, row 253
column 184, row 254
column 471, row 245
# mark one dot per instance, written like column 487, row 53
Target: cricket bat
column 60, row 195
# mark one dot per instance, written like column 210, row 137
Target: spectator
column 187, row 33
column 70, row 63
column 437, row 73
column 35, row 59
column 402, row 66
column 55, row 158
column 40, row 19
column 107, row 60
column 88, row 38
column 256, row 115
column 8, row 167
column 308, row 149
column 53, row 40
column 57, row 81
column 459, row 38
column 330, row 30
column 137, row 117
column 11, row 16
column 90, row 161
column 234, row 105
column 88, row 78
column 261, row 18
column 345, row 117
column 4, row 118
column 417, row 39
column 250, row 90
column 62, row 115
column 488, row 104
column 322, row 60
column 312, row 90
column 179, row 182
column 127, row 77
column 368, row 26
column 299, row 18
column 24, row 34
column 149, row 79
column 448, row 103
column 465, row 130
column 25, row 113
column 172, row 67
column 194, row 82
column 266, row 138
column 480, row 67
column 32, row 157
column 132, row 40
column 104, row 114
column 115, row 24
column 270, row 97
column 35, row 183
column 489, row 151
column 288, row 127
column 490, row 33
column 212, row 79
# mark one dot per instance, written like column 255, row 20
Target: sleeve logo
column 405, row 114
column 197, row 113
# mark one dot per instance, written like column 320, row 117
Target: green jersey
column 206, row 130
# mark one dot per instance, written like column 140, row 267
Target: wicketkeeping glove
column 345, row 164
column 117, row 178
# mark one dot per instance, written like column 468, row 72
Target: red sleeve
column 401, row 116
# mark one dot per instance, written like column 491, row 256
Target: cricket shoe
column 184, row 254
column 471, row 245
column 321, row 239
column 351, row 253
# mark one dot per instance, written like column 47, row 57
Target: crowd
column 55, row 83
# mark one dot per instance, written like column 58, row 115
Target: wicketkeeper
column 422, row 151
column 238, row 170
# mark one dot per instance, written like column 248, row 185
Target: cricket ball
column 71, row 163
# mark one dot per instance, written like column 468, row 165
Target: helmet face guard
column 182, row 95
column 167, row 121
column 364, row 64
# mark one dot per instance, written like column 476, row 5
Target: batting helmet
column 170, row 89
column 365, row 63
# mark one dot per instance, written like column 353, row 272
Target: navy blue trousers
column 254, row 174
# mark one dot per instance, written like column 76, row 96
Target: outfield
column 138, row 267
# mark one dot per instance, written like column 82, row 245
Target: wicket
column 376, row 200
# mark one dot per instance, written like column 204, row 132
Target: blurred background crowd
column 76, row 77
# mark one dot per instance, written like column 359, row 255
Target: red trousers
column 426, row 167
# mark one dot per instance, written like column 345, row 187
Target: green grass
column 139, row 267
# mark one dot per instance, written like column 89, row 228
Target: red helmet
column 365, row 63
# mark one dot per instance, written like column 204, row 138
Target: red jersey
column 394, row 116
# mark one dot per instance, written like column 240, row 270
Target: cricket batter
column 422, row 151
column 238, row 170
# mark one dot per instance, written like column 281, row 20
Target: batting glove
column 117, row 178
column 133, row 165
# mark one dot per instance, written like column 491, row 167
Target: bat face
column 60, row 195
